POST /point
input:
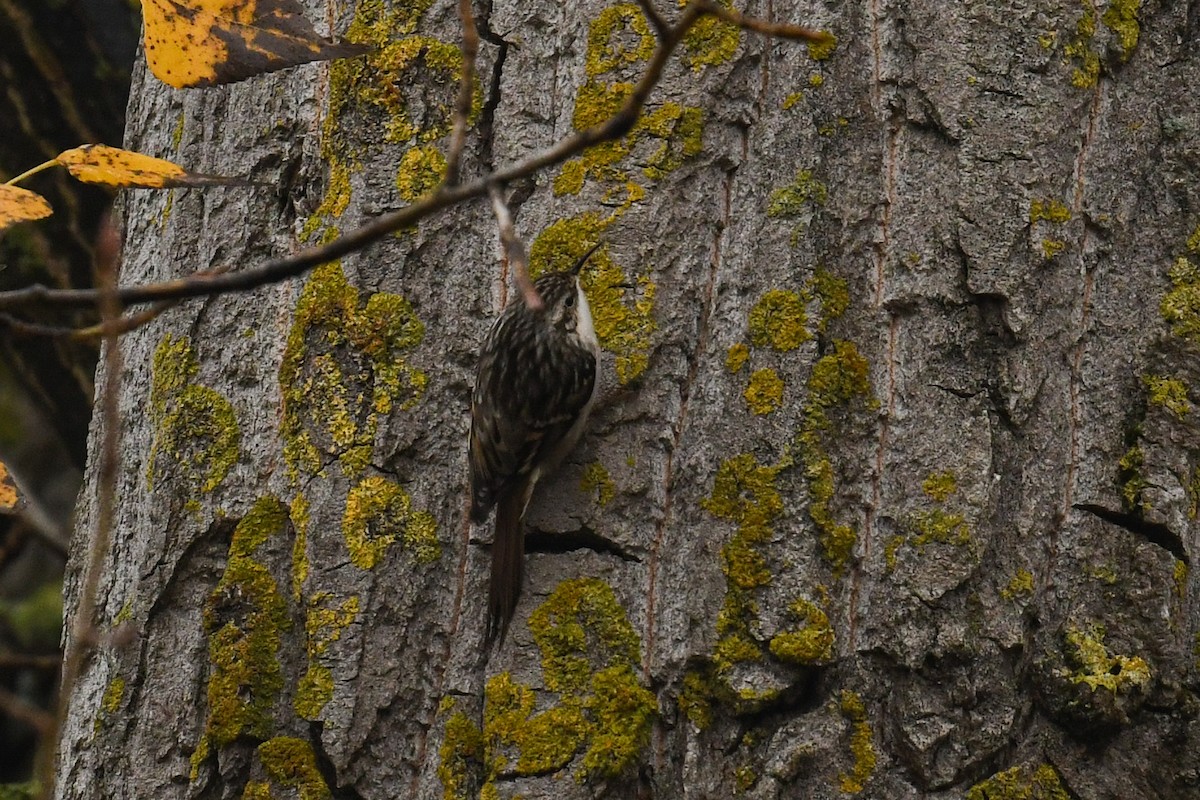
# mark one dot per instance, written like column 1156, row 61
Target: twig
column 79, row 643
column 466, row 93
column 34, row 717
column 656, row 19
column 27, row 661
column 277, row 270
column 514, row 250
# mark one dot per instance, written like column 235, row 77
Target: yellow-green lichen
column 1121, row 17
column 618, row 39
column 1169, row 393
column 378, row 513
column 1051, row 248
column 602, row 717
column 323, row 626
column 1133, row 484
column 779, row 320
column 194, row 426
column 812, row 642
column 624, row 328
column 791, row 101
column 1049, row 210
column 300, row 517
column 764, row 392
column 938, row 486
column 822, row 48
column 737, row 356
column 797, row 198
column 596, row 480
column 460, row 758
column 421, row 171
column 1180, row 306
column 344, row 367
column 1180, row 575
column 695, row 698
column 862, row 748
column 1095, row 666
column 1020, row 783
column 244, row 619
column 1021, row 585
column 710, row 41
column 114, row 693
column 839, row 379
column 291, row 763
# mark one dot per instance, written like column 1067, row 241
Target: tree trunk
column 890, row 492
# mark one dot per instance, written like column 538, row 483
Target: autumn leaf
column 205, row 42
column 8, row 490
column 112, row 166
column 21, row 205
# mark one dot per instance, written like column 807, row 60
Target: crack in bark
column 1157, row 533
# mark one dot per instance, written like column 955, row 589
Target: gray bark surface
column 932, row 544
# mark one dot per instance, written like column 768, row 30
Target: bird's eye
column 570, row 301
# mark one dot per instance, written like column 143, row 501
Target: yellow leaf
column 204, row 42
column 21, row 205
column 112, row 166
column 8, row 490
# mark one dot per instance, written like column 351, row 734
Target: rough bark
column 891, row 492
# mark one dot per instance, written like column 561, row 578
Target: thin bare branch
column 13, row 706
column 661, row 28
column 280, row 269
column 782, row 30
column 466, row 93
column 514, row 250
column 26, row 661
column 108, row 259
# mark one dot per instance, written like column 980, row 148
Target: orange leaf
column 204, row 42
column 8, row 491
column 21, row 205
column 112, row 166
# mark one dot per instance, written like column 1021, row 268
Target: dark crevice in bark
column 326, row 768
column 1153, row 532
column 487, row 115
column 570, row 541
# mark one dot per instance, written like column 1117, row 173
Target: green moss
column 1020, row 783
column 244, row 619
column 862, row 747
column 1169, row 393
column 1050, row 210
column 764, row 393
column 1180, row 576
column 602, row 717
column 291, row 763
column 938, row 525
column 177, row 133
column 1021, row 585
column 797, row 198
column 344, row 367
column 323, row 626
column 822, row 49
column 1051, row 248
column 596, row 479
column 812, row 642
column 1193, row 242
column 695, row 698
column 778, row 320
column 838, row 379
column 460, row 757
column 195, row 429
column 421, row 171
column 1096, row 667
column 737, row 356
column 624, row 328
column 1180, row 306
column 378, row 513
column 711, row 41
column 1121, row 17
column 1078, row 53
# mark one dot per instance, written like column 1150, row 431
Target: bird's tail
column 508, row 559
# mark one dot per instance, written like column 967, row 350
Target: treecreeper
column 534, row 387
